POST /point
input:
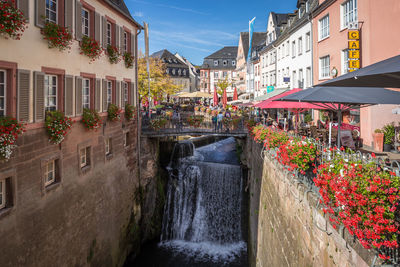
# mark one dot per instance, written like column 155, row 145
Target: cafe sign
column 354, row 49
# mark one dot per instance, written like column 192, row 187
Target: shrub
column 57, row 36
column 130, row 112
column 113, row 54
column 57, row 126
column 12, row 21
column 113, row 112
column 91, row 48
column 128, row 59
column 91, row 119
column 10, row 128
column 195, row 121
column 389, row 132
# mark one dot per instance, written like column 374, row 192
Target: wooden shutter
column 23, row 98
column 121, row 37
column 97, row 25
column 118, row 93
column 78, row 20
column 69, row 10
column 133, row 44
column 69, row 95
column 104, row 95
column 23, row 5
column 39, row 96
column 104, row 22
column 117, row 39
column 40, row 13
column 132, row 100
column 123, row 94
column 97, row 94
column 78, row 96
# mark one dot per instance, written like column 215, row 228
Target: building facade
column 193, row 73
column 374, row 20
column 67, row 192
column 176, row 69
column 219, row 66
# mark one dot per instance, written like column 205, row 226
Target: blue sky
column 196, row 29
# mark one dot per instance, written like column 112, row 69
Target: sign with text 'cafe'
column 354, row 50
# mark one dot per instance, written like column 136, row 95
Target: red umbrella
column 235, row 96
column 215, row 97
column 224, row 99
column 261, row 105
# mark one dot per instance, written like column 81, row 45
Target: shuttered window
column 109, row 92
column 126, row 93
column 85, row 22
column 3, row 89
column 86, row 93
column 109, row 31
column 125, row 45
column 50, row 173
column 2, row 194
column 50, row 92
column 51, row 10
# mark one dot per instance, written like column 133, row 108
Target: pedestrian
column 219, row 121
column 214, row 121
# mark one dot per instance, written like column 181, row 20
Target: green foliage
column 158, row 123
column 12, row 21
column 113, row 112
column 130, row 112
column 128, row 59
column 389, row 132
column 57, row 126
column 91, row 119
column 91, row 48
column 307, row 118
column 57, row 36
column 114, row 55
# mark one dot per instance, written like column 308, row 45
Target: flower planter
column 378, row 141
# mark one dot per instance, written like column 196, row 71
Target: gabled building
column 218, row 66
column 193, row 73
column 175, row 68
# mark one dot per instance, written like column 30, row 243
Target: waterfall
column 204, row 201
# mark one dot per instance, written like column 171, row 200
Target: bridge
column 193, row 124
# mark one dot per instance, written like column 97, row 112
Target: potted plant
column 389, row 133
column 378, row 140
column 57, row 126
column 12, row 21
column 91, row 119
column 10, row 128
column 57, row 36
column 90, row 48
column 113, row 112
column 130, row 112
column 128, row 58
column 113, row 54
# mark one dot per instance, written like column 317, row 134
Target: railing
column 192, row 123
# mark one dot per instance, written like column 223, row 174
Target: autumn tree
column 222, row 85
column 160, row 82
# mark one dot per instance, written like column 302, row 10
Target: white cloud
column 138, row 14
column 172, row 7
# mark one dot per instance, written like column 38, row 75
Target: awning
column 270, row 94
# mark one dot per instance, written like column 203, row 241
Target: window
column 294, row 79
column 308, row 77
column 126, row 139
column 109, row 92
column 51, row 11
column 184, row 72
column 279, row 53
column 324, row 27
column 125, row 45
column 108, row 146
column 225, row 63
column 126, row 93
column 85, row 22
column 173, row 71
column 300, row 46
column 50, row 173
column 3, row 89
column 345, row 61
column 349, row 12
column 324, row 66
column 50, row 92
column 215, row 62
column 179, row 72
column 3, row 193
column 287, row 48
column 308, row 41
column 307, row 6
column 293, row 48
column 86, row 93
column 167, row 71
column 283, row 50
column 216, row 75
column 233, row 63
column 108, row 33
column 301, row 79
column 224, row 74
column 84, row 157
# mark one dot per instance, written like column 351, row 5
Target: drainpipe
column 138, row 114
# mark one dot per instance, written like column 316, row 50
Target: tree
column 222, row 85
column 160, row 83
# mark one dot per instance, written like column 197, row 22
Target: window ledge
column 109, row 156
column 5, row 211
column 323, row 39
column 85, row 169
column 52, row 187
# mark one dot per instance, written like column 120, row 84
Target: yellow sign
column 354, row 35
column 354, row 54
column 354, row 64
column 351, row 70
column 354, row 44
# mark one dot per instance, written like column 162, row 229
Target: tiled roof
column 226, row 52
column 258, row 37
column 170, row 59
column 121, row 6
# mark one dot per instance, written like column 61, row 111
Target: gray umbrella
column 344, row 98
column 385, row 73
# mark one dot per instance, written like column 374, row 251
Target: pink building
column 379, row 39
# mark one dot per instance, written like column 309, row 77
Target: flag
column 251, row 30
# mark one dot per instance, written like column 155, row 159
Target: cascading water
column 203, row 211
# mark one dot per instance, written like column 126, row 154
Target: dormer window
column 179, row 72
column 307, row 6
column 233, row 63
column 225, row 63
column 184, row 72
column 167, row 71
column 215, row 62
column 173, row 71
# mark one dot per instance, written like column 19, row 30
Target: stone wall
column 291, row 228
column 88, row 216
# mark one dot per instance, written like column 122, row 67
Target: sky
column 196, row 29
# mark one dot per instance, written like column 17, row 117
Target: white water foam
column 205, row 251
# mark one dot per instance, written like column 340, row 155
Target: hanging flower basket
column 10, row 128
column 57, row 126
column 128, row 59
column 91, row 119
column 57, row 36
column 12, row 21
column 130, row 112
column 113, row 112
column 113, row 54
column 91, row 48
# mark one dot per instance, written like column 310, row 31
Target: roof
column 258, row 37
column 226, row 52
column 166, row 55
column 120, row 6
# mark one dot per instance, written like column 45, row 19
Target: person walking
column 214, row 121
column 219, row 121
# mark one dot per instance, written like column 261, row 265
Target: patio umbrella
column 215, row 97
column 385, row 73
column 341, row 99
column 263, row 103
column 235, row 95
column 224, row 99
